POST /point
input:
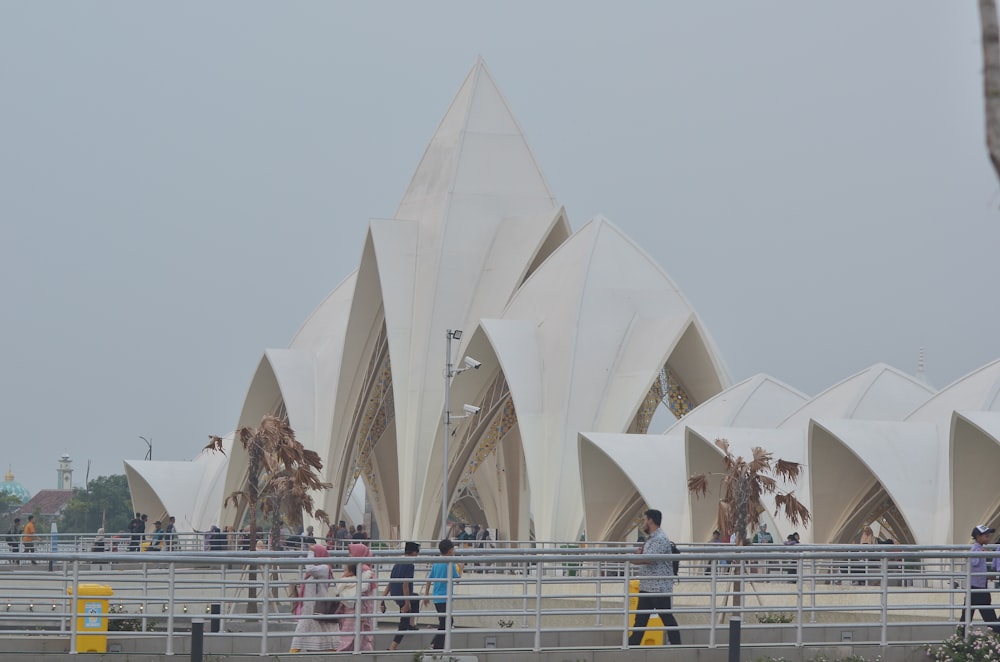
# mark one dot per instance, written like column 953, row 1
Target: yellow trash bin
column 91, row 609
column 649, row 637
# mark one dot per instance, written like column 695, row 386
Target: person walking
column 342, row 536
column 656, row 581
column 400, row 587
column 439, row 575
column 28, row 537
column 356, row 610
column 14, row 536
column 311, row 633
column 979, row 592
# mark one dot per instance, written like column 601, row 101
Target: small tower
column 921, row 374
column 65, row 473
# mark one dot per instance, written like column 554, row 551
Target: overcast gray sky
column 182, row 183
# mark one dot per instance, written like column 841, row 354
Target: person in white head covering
column 358, row 578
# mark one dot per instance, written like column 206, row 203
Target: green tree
column 105, row 503
column 8, row 504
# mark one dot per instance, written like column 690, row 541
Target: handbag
column 326, row 610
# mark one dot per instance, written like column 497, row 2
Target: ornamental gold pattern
column 373, row 417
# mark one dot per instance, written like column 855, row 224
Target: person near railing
column 156, row 543
column 357, row 617
column 99, row 543
column 400, row 587
column 439, row 578
column 28, row 537
column 979, row 592
column 312, row 634
column 14, row 536
column 170, row 534
column 342, row 535
column 656, row 581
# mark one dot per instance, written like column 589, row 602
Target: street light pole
column 448, row 374
column 149, row 442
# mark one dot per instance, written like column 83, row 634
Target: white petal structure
column 574, row 331
column 581, row 338
column 880, row 447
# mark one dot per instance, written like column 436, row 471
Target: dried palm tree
column 743, row 485
column 281, row 476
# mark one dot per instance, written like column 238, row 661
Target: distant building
column 48, row 505
column 65, row 473
column 14, row 488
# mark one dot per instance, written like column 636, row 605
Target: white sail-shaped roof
column 760, row 401
column 581, row 336
column 879, row 392
column 191, row 492
column 599, row 351
column 977, row 391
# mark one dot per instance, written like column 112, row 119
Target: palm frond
column 793, row 509
column 215, row 444
column 761, row 460
column 698, row 484
column 788, row 470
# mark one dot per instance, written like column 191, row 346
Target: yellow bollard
column 649, row 637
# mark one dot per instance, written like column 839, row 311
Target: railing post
column 359, row 607
column 221, row 622
column 145, row 593
column 967, row 607
column 798, row 600
column 812, row 593
column 524, row 594
column 448, row 596
column 74, row 606
column 885, row 599
column 265, row 608
column 597, row 601
column 626, row 607
column 538, row 610
column 170, row 609
column 713, row 608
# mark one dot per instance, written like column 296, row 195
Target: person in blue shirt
column 156, row 544
column 979, row 592
column 439, row 578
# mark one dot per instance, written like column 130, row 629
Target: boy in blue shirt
column 439, row 577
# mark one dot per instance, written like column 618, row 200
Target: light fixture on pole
column 149, row 443
column 449, row 373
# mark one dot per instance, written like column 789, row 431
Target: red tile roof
column 48, row 503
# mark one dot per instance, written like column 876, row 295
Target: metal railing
column 533, row 599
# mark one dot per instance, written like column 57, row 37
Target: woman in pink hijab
column 358, row 578
column 312, row 634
